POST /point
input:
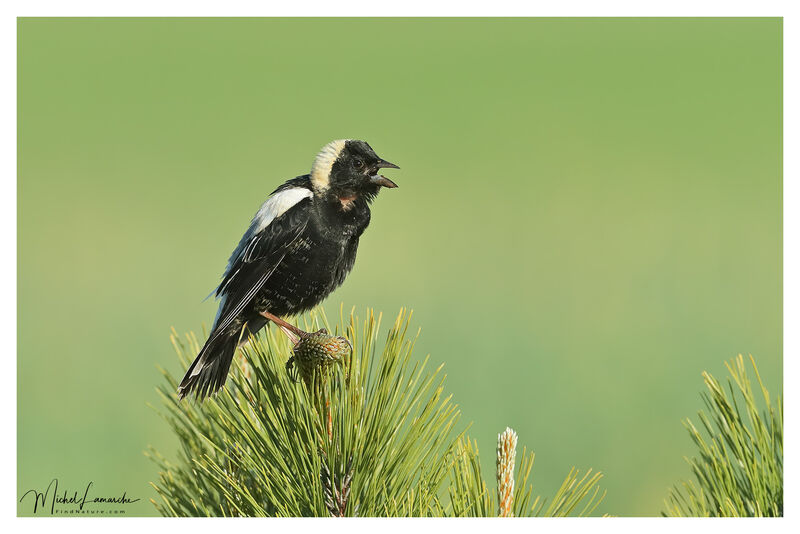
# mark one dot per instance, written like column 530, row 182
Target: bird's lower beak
column 383, row 181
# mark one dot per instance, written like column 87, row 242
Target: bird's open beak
column 382, row 180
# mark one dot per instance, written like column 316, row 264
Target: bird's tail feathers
column 209, row 370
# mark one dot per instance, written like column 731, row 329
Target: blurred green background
column 589, row 215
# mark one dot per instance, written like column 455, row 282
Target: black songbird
column 300, row 246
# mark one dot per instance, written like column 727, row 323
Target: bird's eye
column 358, row 164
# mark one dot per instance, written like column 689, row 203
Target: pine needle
column 739, row 471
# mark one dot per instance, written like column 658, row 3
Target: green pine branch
column 373, row 436
column 739, row 470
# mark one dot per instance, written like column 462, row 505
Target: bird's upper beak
column 382, row 180
column 383, row 164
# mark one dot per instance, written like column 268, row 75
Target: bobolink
column 299, row 247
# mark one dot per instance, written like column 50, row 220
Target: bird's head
column 348, row 169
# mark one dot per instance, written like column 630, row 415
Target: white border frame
column 607, row 8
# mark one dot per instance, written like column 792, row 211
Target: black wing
column 259, row 258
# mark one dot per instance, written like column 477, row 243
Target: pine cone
column 317, row 352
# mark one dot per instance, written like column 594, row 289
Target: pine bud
column 506, row 456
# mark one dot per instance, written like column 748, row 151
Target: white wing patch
column 275, row 206
column 321, row 169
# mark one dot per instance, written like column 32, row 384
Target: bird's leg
column 292, row 332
